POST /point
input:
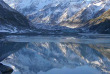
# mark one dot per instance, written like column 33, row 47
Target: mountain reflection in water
column 57, row 54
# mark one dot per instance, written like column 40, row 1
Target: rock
column 5, row 69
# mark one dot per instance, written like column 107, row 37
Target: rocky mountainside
column 92, row 10
column 100, row 24
column 70, row 13
column 11, row 20
column 46, row 11
column 51, row 15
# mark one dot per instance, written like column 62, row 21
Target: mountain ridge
column 11, row 20
column 101, row 24
column 61, row 12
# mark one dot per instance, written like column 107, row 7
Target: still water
column 78, row 54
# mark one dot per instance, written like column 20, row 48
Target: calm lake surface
column 77, row 54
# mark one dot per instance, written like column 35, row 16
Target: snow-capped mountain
column 47, row 10
column 92, row 10
column 70, row 13
column 11, row 21
column 35, row 57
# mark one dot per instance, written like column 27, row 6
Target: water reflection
column 44, row 57
column 7, row 48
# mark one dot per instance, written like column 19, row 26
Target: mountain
column 92, row 10
column 69, row 13
column 100, row 24
column 11, row 20
column 46, row 11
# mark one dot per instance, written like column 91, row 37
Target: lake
column 51, row 54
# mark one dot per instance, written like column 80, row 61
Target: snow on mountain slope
column 48, row 11
column 53, row 14
column 91, row 11
column 5, row 5
column 38, row 4
column 12, row 21
column 55, row 11
column 69, row 13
